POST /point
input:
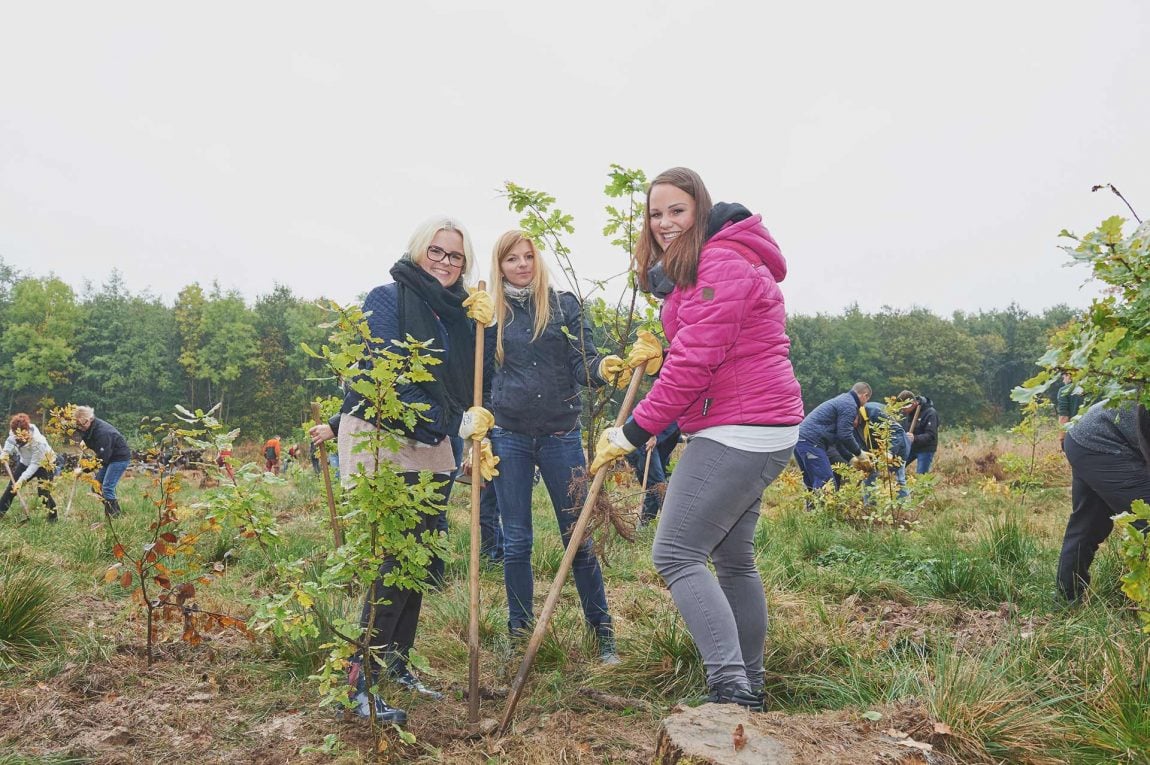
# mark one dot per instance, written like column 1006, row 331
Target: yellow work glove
column 864, row 462
column 612, row 445
column 646, row 350
column 16, row 487
column 475, row 423
column 479, row 306
column 487, row 461
column 4, row 456
column 613, row 370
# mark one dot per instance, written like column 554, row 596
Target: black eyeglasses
column 437, row 253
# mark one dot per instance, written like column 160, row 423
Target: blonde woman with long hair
column 540, row 353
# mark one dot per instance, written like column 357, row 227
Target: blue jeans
column 814, row 463
column 559, row 458
column 925, row 460
column 665, row 444
column 899, row 447
column 108, row 476
column 490, row 526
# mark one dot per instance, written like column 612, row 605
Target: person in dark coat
column 1110, row 468
column 539, row 355
column 920, row 421
column 111, row 449
column 428, row 302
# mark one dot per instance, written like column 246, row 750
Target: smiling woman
column 727, row 381
column 427, row 301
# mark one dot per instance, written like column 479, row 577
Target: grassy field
column 947, row 628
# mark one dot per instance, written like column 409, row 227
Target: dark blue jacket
column 107, row 442
column 435, row 423
column 868, row 436
column 832, row 423
column 536, row 390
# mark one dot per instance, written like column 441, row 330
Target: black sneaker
column 756, row 702
column 53, row 517
column 412, row 683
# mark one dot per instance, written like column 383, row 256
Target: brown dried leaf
column 942, row 729
column 739, row 738
column 126, row 579
column 112, row 573
column 118, row 551
column 169, row 537
column 163, row 581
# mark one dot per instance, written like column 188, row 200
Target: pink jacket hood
column 751, row 238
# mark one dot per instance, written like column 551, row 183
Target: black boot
column 112, row 508
column 752, row 701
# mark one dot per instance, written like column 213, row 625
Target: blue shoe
column 364, row 701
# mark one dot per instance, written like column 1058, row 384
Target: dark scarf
column 421, row 299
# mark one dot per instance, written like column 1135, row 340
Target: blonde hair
column 540, row 286
column 426, row 231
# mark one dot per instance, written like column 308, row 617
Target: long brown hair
column 681, row 259
column 540, row 285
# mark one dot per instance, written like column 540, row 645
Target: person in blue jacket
column 872, row 419
column 539, row 355
column 427, row 301
column 830, row 424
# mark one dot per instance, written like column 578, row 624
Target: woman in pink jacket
column 727, row 380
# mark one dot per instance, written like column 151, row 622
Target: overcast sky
column 902, row 153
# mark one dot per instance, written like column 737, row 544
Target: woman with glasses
column 538, row 355
column 727, row 380
column 427, row 301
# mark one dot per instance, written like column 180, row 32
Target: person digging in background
column 727, row 380
column 920, row 421
column 1067, row 402
column 830, row 424
column 111, row 449
column 272, row 455
column 29, row 456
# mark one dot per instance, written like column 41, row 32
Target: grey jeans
column 710, row 512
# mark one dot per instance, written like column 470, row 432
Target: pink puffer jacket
column 728, row 361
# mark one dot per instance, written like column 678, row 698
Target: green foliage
column 1136, row 554
column 377, row 512
column 41, row 323
column 30, row 595
column 1106, row 349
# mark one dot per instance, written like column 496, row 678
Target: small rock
column 488, row 725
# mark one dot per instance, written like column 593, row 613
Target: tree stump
column 716, row 734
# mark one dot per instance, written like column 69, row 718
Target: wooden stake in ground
column 565, row 567
column 336, row 531
column 71, row 494
column 23, row 504
column 473, row 563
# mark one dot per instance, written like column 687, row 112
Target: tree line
column 130, row 355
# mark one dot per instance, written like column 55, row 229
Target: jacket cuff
column 635, row 433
